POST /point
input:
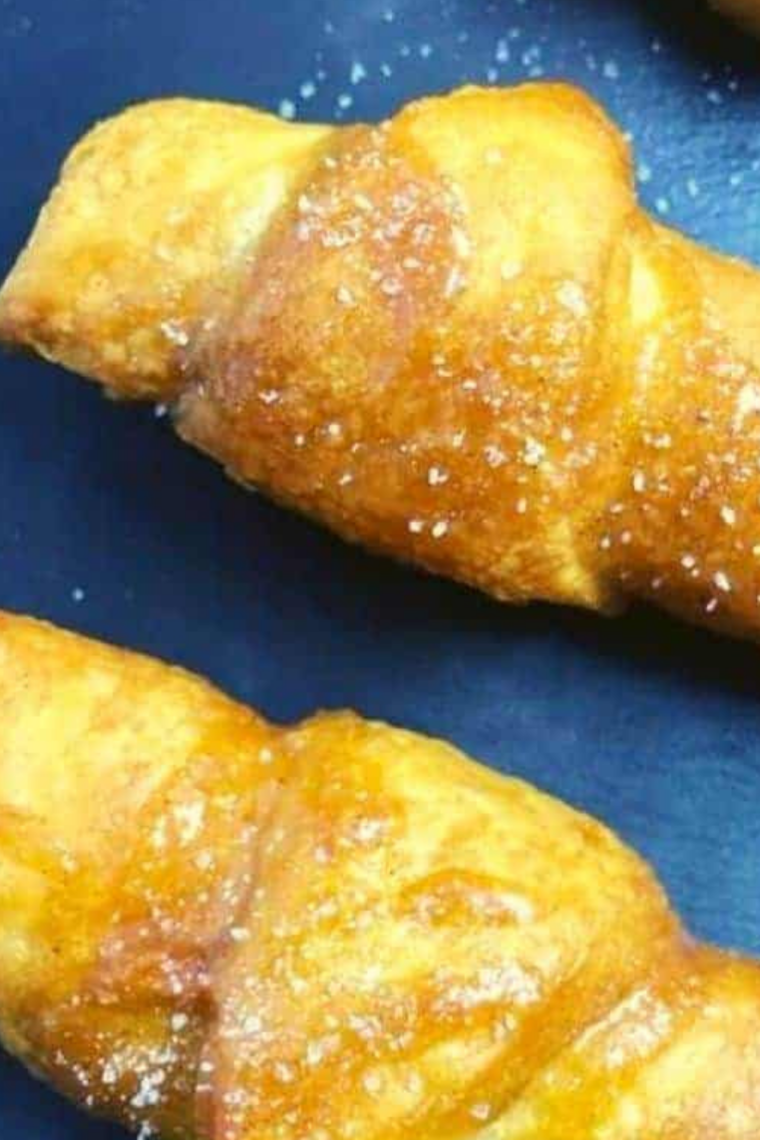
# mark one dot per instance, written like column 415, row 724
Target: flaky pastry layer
column 454, row 337
column 214, row 928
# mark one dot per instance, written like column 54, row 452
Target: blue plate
column 112, row 527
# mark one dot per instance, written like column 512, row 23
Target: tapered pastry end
column 153, row 208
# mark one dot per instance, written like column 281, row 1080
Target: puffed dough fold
column 454, row 337
column 213, row 928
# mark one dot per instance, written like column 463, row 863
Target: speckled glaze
column 110, row 527
column 454, row 337
column 213, row 928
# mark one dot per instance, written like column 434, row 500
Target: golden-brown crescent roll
column 454, row 337
column 212, row 928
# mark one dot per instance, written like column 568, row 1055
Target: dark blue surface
column 112, row 527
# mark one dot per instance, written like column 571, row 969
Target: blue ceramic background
column 108, row 525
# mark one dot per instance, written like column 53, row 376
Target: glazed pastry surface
column 454, row 337
column 213, row 928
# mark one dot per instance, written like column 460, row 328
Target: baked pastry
column 455, row 337
column 213, row 928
